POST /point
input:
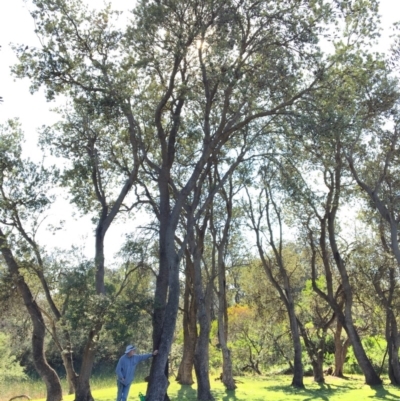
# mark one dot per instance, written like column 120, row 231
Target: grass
column 274, row 388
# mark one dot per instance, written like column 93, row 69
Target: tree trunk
column 298, row 373
column 201, row 354
column 227, row 371
column 48, row 375
column 340, row 350
column 166, row 303
column 393, row 348
column 71, row 375
column 185, row 372
column 315, row 351
column 83, row 391
column 371, row 377
column 318, row 370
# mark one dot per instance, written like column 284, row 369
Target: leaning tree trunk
column 185, row 372
column 48, row 375
column 371, row 377
column 71, row 375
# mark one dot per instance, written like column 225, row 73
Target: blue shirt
column 126, row 367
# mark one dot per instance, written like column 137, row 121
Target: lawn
column 274, row 388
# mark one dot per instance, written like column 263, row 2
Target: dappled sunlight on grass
column 274, row 388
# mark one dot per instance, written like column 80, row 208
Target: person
column 125, row 370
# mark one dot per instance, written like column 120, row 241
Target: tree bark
column 203, row 301
column 391, row 329
column 392, row 338
column 371, row 377
column 48, row 374
column 341, row 348
column 333, row 182
column 298, row 372
column 315, row 352
column 70, row 371
column 83, row 391
column 201, row 355
column 166, row 298
column 227, row 371
column 185, row 372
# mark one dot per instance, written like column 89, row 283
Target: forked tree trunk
column 315, row 351
column 185, row 372
column 48, row 375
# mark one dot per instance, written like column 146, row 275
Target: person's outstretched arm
column 143, row 357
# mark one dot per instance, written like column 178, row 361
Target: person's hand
column 155, row 352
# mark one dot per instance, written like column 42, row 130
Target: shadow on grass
column 230, row 396
column 381, row 393
column 326, row 391
column 322, row 392
column 187, row 393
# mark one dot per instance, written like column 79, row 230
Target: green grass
column 274, row 388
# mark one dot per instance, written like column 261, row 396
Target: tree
column 196, row 71
column 21, row 185
column 190, row 331
column 99, row 179
column 264, row 213
column 221, row 222
column 10, row 369
column 376, row 175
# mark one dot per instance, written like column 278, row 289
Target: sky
column 16, row 26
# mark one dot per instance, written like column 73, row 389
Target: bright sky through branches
column 16, row 26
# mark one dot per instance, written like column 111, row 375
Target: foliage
column 10, row 369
